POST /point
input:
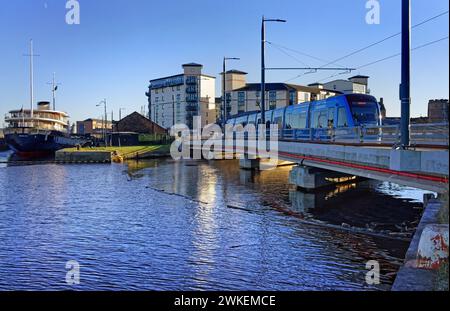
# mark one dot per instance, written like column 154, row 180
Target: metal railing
column 421, row 134
column 387, row 135
column 25, row 130
column 38, row 115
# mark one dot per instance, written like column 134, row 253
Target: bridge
column 328, row 156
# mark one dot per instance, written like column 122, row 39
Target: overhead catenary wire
column 289, row 55
column 398, row 54
column 388, row 57
column 370, row 45
column 302, row 53
column 387, row 38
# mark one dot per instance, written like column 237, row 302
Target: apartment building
column 245, row 97
column 177, row 99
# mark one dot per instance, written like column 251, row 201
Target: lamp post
column 263, row 65
column 405, row 88
column 224, row 100
column 103, row 102
column 120, row 113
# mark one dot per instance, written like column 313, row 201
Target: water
column 161, row 225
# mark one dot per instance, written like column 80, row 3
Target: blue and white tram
column 318, row 119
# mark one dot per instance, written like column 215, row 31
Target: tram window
column 331, row 117
column 296, row 121
column 291, row 121
column 302, row 121
column 320, row 119
column 278, row 121
column 315, row 119
column 365, row 112
column 288, row 121
column 342, row 117
column 252, row 119
column 323, row 120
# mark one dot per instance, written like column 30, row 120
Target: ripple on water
column 167, row 226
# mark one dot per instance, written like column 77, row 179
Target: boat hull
column 38, row 145
column 3, row 145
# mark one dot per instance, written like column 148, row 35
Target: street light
column 405, row 87
column 103, row 102
column 263, row 65
column 120, row 113
column 224, row 103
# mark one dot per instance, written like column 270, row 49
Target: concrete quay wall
column 83, row 157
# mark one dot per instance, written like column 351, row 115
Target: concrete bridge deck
column 423, row 168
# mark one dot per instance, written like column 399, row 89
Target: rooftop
column 359, row 77
column 192, row 65
column 278, row 87
column 233, row 71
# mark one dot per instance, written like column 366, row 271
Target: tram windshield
column 365, row 112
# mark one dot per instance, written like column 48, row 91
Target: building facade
column 177, row 99
column 246, row 97
column 354, row 85
column 94, row 127
column 438, row 111
column 137, row 123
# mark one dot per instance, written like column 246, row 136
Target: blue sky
column 121, row 44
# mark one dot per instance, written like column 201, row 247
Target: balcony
column 191, row 90
column 192, row 98
column 191, row 80
column 192, row 108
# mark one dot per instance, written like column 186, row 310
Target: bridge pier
column 249, row 164
column 313, row 178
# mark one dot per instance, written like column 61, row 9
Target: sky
column 120, row 45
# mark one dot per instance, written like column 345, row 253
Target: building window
column 241, row 102
column 292, row 98
column 228, row 101
column 272, row 100
column 258, row 99
column 306, row 97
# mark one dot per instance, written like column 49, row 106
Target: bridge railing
column 421, row 134
column 430, row 134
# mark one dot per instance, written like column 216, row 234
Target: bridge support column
column 313, row 178
column 249, row 164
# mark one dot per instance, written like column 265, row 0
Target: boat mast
column 31, row 55
column 53, row 92
column 54, row 85
column 31, row 79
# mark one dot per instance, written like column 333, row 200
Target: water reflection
column 165, row 225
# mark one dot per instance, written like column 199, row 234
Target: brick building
column 438, row 110
column 93, row 127
column 137, row 123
